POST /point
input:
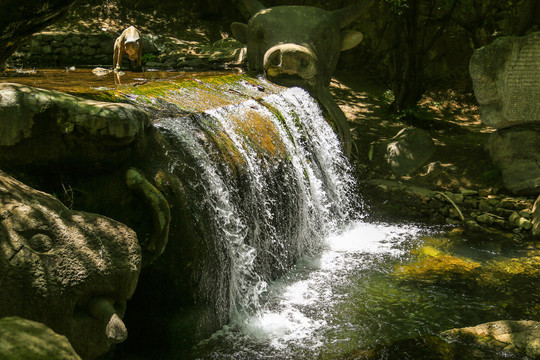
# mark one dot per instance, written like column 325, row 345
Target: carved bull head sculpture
column 72, row 271
column 300, row 46
column 297, row 45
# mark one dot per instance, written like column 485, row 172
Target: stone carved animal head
column 297, row 45
column 72, row 271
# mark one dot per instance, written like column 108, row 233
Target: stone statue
column 72, row 271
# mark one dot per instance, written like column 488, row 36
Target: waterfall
column 268, row 180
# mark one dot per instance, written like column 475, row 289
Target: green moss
column 189, row 94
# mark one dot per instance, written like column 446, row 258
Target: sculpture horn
column 347, row 15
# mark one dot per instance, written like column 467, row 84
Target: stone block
column 506, row 81
column 88, row 50
column 68, row 42
column 516, row 152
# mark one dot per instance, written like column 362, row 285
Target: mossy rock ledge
column 42, row 127
column 80, row 149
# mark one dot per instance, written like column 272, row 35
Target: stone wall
column 75, row 49
column 68, row 49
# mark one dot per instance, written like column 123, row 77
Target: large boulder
column 73, row 271
column 22, row 339
column 408, row 151
column 39, row 126
column 506, row 81
column 516, row 152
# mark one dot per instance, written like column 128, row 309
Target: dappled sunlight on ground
column 110, row 14
column 450, row 117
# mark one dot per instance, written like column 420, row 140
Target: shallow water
column 84, row 81
column 349, row 301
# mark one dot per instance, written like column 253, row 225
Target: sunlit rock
column 505, row 78
column 434, row 266
column 518, row 337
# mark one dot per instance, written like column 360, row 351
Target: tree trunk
column 407, row 70
column 21, row 18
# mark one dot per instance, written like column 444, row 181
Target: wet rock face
column 72, row 271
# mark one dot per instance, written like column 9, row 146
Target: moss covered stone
column 22, row 339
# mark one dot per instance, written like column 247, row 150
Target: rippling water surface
column 348, row 300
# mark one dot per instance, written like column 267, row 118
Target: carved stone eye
column 40, row 243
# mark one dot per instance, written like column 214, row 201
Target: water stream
column 340, row 292
column 287, row 188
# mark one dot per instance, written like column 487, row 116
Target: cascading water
column 272, row 183
column 256, row 190
column 274, row 251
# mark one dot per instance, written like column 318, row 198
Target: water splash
column 299, row 309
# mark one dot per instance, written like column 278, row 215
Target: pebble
column 467, row 192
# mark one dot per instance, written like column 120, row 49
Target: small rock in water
column 99, row 71
column 25, row 72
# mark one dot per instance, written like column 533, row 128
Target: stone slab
column 506, row 81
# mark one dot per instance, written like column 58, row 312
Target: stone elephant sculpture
column 73, row 271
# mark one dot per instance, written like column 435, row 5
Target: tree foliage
column 412, row 44
column 415, row 28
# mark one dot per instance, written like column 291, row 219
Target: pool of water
column 85, row 81
column 357, row 300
